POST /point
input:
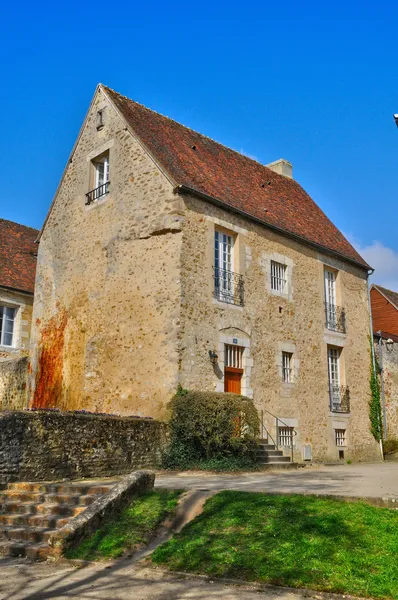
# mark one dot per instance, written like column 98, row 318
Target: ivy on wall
column 376, row 426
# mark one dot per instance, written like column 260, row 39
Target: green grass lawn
column 131, row 529
column 298, row 541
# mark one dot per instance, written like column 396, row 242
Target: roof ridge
column 207, row 137
column 19, row 224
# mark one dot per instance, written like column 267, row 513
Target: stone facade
column 47, row 445
column 13, row 383
column 107, row 308
column 270, row 323
column 125, row 307
column 390, row 377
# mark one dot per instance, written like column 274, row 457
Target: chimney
column 282, row 166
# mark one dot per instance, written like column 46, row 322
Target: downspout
column 370, row 272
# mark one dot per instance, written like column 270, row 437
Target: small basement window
column 7, row 323
column 285, row 435
column 340, row 437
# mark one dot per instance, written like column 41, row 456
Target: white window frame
column 334, row 356
column 287, row 371
column 278, row 277
column 105, row 174
column 330, row 298
column 5, row 308
column 224, row 264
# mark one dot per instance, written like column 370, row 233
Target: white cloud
column 384, row 260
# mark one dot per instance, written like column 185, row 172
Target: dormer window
column 100, row 178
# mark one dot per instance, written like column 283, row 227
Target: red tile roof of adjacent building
column 195, row 161
column 17, row 256
column 391, row 296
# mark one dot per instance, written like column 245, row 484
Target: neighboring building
column 17, row 280
column 385, row 334
column 168, row 258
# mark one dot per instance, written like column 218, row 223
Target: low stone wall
column 49, row 445
column 102, row 509
column 13, row 383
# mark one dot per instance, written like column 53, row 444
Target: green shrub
column 210, row 425
column 390, row 446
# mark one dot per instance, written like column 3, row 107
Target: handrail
column 278, row 420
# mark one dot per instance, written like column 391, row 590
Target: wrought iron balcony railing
column 97, row 192
column 228, row 287
column 335, row 318
column 339, row 396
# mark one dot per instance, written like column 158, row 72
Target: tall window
column 99, row 178
column 334, row 376
column 278, row 277
column 287, row 367
column 330, row 299
column 7, row 320
column 101, row 167
column 223, row 251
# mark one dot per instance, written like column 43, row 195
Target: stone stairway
column 267, row 454
column 31, row 512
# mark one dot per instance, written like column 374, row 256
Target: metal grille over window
column 278, row 277
column 340, row 437
column 234, row 356
column 228, row 286
column 285, row 435
column 286, row 367
column 7, row 319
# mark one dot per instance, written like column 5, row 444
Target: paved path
column 21, row 580
column 361, row 480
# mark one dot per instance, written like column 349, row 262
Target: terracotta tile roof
column 17, row 256
column 197, row 162
column 390, row 295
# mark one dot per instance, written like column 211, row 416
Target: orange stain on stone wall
column 49, row 377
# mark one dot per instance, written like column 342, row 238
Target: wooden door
column 232, row 380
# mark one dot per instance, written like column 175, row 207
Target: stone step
column 39, row 551
column 28, row 520
column 32, row 508
column 50, row 498
column 25, row 534
column 269, row 454
column 267, row 446
column 59, row 488
column 275, row 459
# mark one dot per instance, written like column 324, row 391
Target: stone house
column 168, row 258
column 17, row 278
column 384, row 305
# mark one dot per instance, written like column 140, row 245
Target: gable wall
column 107, row 286
column 384, row 314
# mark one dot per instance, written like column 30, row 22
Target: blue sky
column 316, row 83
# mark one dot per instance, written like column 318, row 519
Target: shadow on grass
column 299, row 541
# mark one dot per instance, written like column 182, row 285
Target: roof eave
column 376, row 287
column 222, row 204
column 17, row 290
